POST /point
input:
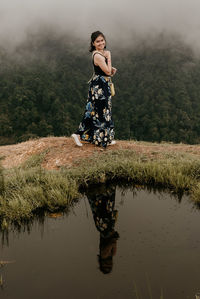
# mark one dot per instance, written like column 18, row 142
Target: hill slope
column 61, row 151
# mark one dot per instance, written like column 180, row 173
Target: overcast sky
column 116, row 18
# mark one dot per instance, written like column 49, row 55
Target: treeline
column 44, row 86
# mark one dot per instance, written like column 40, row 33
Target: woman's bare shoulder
column 97, row 52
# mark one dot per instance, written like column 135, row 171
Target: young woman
column 97, row 125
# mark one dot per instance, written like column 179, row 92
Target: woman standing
column 97, row 125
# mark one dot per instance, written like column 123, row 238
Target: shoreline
column 36, row 182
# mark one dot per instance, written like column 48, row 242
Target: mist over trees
column 44, row 89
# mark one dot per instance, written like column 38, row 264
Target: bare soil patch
column 61, row 151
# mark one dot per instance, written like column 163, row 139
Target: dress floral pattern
column 97, row 125
column 102, row 203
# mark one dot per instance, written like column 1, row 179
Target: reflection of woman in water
column 102, row 202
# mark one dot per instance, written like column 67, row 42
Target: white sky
column 116, row 18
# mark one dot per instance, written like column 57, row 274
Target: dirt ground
column 62, row 151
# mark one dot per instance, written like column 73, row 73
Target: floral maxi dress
column 97, row 125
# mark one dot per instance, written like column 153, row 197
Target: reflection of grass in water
column 2, row 264
column 138, row 293
column 149, row 286
column 29, row 188
column 1, row 281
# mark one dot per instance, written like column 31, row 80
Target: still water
column 114, row 243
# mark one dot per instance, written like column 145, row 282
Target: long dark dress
column 97, row 125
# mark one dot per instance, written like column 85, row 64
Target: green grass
column 29, row 188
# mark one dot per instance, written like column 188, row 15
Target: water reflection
column 102, row 204
column 159, row 236
column 38, row 220
column 104, row 214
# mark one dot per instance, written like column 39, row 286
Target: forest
column 43, row 85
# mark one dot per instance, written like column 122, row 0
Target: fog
column 121, row 21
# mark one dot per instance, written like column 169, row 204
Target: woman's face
column 99, row 43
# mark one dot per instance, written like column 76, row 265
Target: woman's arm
column 113, row 72
column 100, row 61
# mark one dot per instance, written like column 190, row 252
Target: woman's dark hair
column 94, row 36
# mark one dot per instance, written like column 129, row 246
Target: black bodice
column 97, row 69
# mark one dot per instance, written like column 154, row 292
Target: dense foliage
column 44, row 89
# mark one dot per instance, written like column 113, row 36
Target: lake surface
column 140, row 244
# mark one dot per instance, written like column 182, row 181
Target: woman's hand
column 113, row 71
column 107, row 54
